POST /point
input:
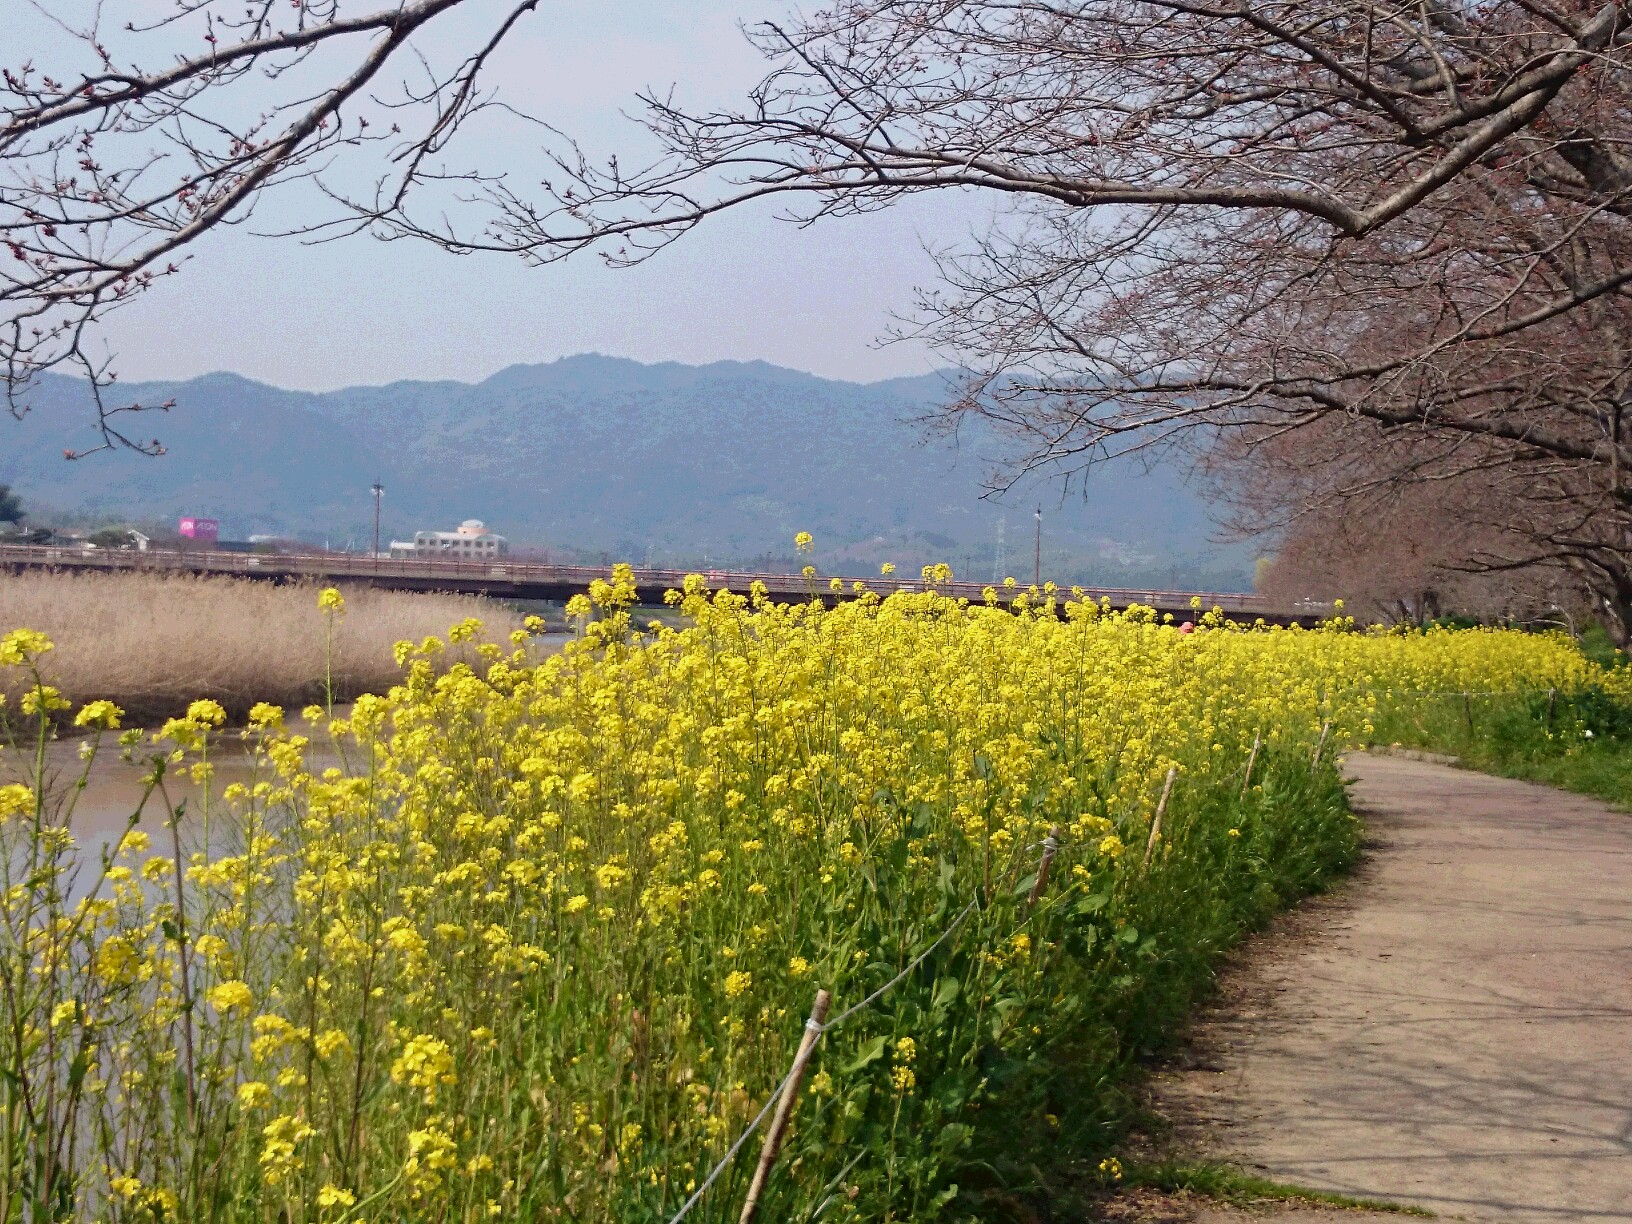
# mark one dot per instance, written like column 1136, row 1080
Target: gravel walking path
column 1453, row 1028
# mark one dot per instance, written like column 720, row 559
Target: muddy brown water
column 114, row 788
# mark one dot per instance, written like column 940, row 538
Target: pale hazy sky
column 743, row 287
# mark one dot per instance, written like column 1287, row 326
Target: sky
column 744, row 286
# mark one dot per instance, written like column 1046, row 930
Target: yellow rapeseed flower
column 99, row 715
column 43, row 699
column 208, row 712
column 334, row 1196
column 265, row 716
column 22, row 646
column 231, row 996
column 425, row 1063
column 15, row 799
column 572, row 891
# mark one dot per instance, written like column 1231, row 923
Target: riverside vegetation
column 1576, row 736
column 543, row 946
column 156, row 642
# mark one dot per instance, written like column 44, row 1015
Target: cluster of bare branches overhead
column 138, row 129
column 1423, row 577
column 1307, row 231
column 1347, row 113
column 1405, row 532
column 1302, row 230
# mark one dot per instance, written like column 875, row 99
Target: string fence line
column 1466, row 692
column 1412, row 692
column 1048, row 845
column 731, row 1152
column 898, row 978
column 820, row 1030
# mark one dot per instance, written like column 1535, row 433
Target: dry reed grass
column 154, row 642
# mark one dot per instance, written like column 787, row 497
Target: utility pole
column 378, row 490
column 1037, row 564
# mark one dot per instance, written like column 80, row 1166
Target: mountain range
column 593, row 457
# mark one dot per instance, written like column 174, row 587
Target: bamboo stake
column 1552, row 701
column 1161, row 806
column 784, row 1107
column 1252, row 759
column 1051, row 843
column 1321, row 747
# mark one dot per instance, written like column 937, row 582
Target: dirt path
column 1451, row 1030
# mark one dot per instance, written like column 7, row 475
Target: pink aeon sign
column 200, row 529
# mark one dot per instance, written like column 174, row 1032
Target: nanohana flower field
column 544, row 945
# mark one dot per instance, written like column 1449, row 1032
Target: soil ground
column 1154, row 1207
column 1451, row 1029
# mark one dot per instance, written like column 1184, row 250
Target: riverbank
column 153, row 643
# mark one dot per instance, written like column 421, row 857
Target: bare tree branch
column 110, row 172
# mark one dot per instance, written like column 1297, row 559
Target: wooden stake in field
column 1050, row 844
column 784, row 1107
column 1156, row 820
column 1252, row 759
column 1321, row 747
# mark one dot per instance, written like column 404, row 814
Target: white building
column 471, row 542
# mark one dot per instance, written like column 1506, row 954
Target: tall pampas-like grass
column 155, row 642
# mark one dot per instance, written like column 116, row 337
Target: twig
column 784, row 1106
column 1321, row 746
column 182, row 937
column 1051, row 844
column 815, row 1028
column 1161, row 806
column 1252, row 759
column 776, row 1095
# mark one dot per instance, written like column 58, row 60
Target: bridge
column 504, row 578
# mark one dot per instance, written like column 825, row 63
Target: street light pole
column 378, row 490
column 1037, row 563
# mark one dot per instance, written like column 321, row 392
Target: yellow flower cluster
column 535, row 939
column 22, row 646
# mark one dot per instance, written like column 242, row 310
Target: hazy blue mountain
column 591, row 455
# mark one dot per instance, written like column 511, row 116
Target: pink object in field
column 205, row 529
column 1187, row 627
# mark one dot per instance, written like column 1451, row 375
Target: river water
column 114, row 789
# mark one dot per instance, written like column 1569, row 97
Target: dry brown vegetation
column 154, row 642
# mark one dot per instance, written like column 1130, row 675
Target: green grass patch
column 1228, row 1184
column 1596, row 645
column 1578, row 741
